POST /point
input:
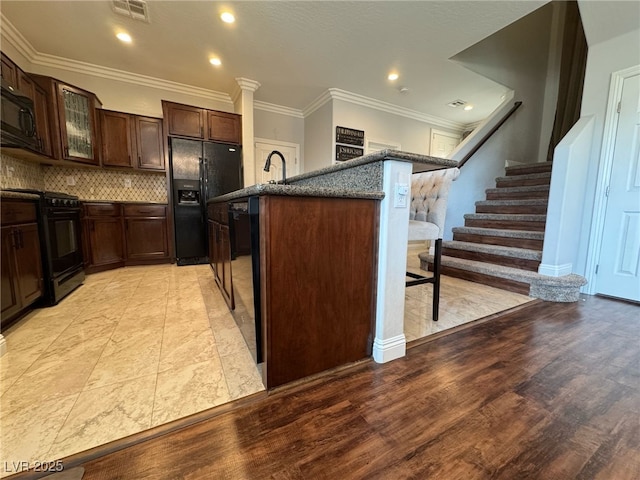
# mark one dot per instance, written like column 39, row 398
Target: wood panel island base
column 316, row 258
column 317, row 281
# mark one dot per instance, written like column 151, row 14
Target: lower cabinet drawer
column 102, row 209
column 131, row 210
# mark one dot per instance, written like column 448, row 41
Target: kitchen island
column 323, row 236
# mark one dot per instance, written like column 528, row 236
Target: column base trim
column 389, row 349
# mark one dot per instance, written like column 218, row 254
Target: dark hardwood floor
column 551, row 391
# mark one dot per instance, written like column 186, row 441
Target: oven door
column 64, row 241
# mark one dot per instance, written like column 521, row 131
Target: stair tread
column 524, row 188
column 527, row 176
column 518, row 217
column 539, row 165
column 514, row 252
column 519, row 201
column 495, row 232
column 510, row 273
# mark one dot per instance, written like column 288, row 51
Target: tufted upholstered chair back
column 429, row 193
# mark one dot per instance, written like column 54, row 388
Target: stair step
column 507, row 238
column 508, row 256
column 526, row 206
column 529, row 168
column 527, row 192
column 524, row 180
column 506, row 278
column 506, row 221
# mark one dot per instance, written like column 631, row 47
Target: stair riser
column 522, row 182
column 524, row 209
column 537, row 168
column 503, row 241
column 517, row 195
column 505, row 225
column 497, row 282
column 522, row 263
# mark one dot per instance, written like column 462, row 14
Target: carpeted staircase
column 501, row 244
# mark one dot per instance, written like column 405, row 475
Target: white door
column 618, row 272
column 443, row 143
column 289, row 152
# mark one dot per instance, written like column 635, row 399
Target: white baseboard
column 555, row 270
column 389, row 349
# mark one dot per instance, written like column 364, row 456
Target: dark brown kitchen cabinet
column 131, row 141
column 22, row 280
column 201, row 123
column 224, row 127
column 184, row 120
column 116, row 139
column 220, row 250
column 73, row 121
column 104, row 234
column 146, row 236
column 9, row 71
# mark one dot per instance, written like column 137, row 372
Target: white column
column 243, row 104
column 390, row 342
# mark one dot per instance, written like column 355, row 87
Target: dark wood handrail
column 488, row 135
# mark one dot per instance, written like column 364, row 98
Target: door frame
column 280, row 143
column 604, row 173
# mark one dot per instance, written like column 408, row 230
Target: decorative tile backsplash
column 15, row 173
column 86, row 183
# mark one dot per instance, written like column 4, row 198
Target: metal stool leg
column 437, row 257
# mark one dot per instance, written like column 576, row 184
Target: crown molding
column 317, row 103
column 273, row 108
column 13, row 37
column 338, row 94
column 247, row 84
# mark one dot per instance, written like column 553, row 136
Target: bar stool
column 429, row 194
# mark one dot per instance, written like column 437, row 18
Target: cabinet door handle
column 66, row 151
column 13, row 240
column 139, row 160
column 21, row 236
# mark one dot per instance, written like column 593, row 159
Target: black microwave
column 17, row 119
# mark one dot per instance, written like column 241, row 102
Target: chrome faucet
column 267, row 165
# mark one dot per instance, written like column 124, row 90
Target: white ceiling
column 295, row 50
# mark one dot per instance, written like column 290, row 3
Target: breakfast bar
column 328, row 263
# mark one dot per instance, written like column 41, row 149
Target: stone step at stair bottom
column 526, row 192
column 555, row 289
column 515, row 206
column 512, row 221
column 507, row 256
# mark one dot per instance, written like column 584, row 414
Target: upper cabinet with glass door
column 73, row 120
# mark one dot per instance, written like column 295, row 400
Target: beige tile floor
column 137, row 347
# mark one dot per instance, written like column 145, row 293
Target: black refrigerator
column 199, row 171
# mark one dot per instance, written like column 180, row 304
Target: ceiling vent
column 136, row 9
column 457, row 103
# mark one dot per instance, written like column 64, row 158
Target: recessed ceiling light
column 215, row 61
column 124, row 37
column 227, row 17
column 468, row 107
column 393, row 76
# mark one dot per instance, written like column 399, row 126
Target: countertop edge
column 296, row 191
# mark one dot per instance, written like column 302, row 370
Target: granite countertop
column 421, row 163
column 19, row 195
column 138, row 202
column 296, row 191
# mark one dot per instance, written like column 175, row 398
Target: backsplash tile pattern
column 89, row 183
column 15, row 173
column 100, row 184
